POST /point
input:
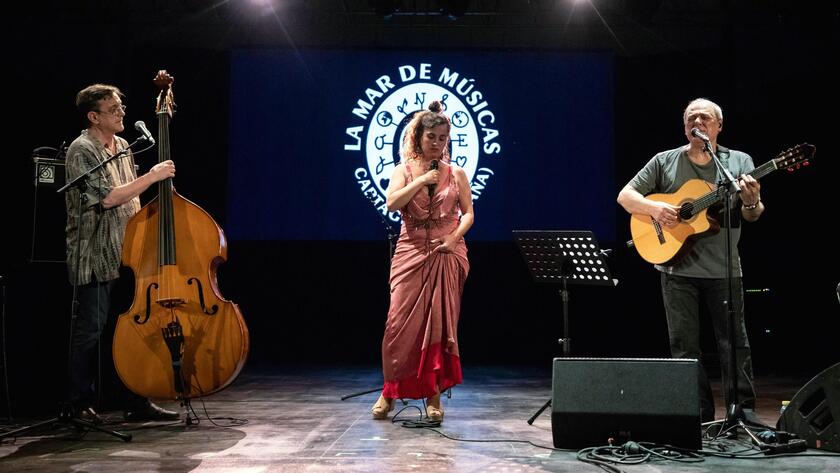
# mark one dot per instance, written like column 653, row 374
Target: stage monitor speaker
column 814, row 412
column 48, row 214
column 49, row 218
column 640, row 399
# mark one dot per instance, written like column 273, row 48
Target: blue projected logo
column 387, row 108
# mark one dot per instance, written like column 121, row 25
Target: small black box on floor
column 639, row 399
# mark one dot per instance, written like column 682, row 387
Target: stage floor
column 296, row 421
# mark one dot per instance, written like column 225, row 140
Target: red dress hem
column 439, row 371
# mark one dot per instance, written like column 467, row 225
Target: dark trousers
column 94, row 305
column 682, row 297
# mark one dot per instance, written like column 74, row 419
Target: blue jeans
column 682, row 297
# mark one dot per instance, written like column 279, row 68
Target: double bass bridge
column 170, row 302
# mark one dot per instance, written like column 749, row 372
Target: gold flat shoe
column 433, row 408
column 434, row 413
column 382, row 407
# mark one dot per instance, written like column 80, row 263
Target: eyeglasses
column 113, row 110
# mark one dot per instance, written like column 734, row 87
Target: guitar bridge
column 659, row 235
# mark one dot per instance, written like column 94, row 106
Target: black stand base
column 537, row 414
column 736, row 422
column 189, row 415
column 65, row 417
column 379, row 389
column 348, row 396
column 734, row 419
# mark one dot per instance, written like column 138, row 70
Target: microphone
column 141, row 127
column 698, row 134
column 432, row 165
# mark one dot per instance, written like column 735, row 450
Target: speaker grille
column 814, row 412
column 640, row 399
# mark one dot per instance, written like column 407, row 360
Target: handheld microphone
column 141, row 127
column 698, row 134
column 432, row 165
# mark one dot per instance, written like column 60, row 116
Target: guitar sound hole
column 686, row 211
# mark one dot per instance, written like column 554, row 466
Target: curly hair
column 421, row 122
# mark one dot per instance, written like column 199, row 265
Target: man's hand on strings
column 666, row 214
column 750, row 189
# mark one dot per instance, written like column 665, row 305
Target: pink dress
column 420, row 347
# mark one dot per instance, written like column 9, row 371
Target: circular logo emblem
column 388, row 108
column 386, row 132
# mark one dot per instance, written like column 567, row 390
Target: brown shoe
column 382, row 407
column 433, row 408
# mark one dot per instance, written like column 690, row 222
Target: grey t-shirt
column 666, row 173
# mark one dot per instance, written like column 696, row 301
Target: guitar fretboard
column 716, row 195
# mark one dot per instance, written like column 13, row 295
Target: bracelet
column 752, row 206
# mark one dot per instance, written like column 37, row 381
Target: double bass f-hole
column 174, row 302
column 213, row 309
column 148, row 304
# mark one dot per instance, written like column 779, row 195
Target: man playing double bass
column 111, row 199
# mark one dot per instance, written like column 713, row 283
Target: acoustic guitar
column 666, row 245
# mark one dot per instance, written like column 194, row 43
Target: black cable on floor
column 423, row 422
column 233, row 421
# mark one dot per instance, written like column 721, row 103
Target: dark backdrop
column 325, row 302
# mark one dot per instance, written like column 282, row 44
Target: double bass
column 180, row 338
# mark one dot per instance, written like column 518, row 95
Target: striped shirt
column 102, row 230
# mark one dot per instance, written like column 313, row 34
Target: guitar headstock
column 166, row 98
column 796, row 157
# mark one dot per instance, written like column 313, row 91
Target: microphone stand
column 392, row 237
column 734, row 414
column 66, row 415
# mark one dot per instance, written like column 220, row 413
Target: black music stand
column 560, row 257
